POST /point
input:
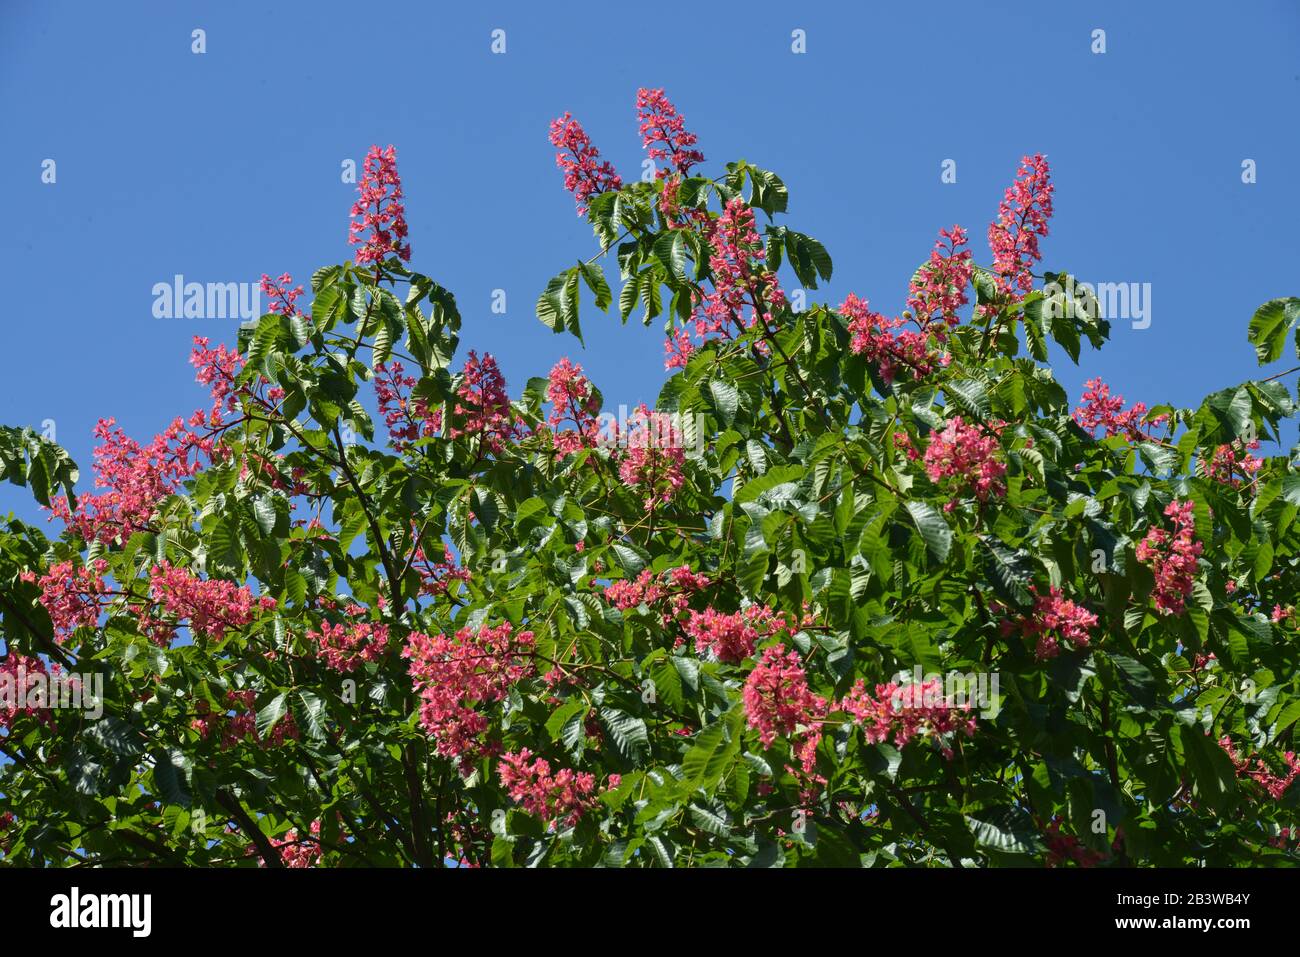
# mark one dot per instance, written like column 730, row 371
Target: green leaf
column 313, row 712
column 1210, row 767
column 627, row 732
column 1009, row 830
column 594, row 276
column 670, row 247
column 169, row 767
column 972, row 395
column 269, row 715
column 566, row 722
column 933, row 528
column 1269, row 327
column 726, row 398
column 714, row 751
column 709, row 821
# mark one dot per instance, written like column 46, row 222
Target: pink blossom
column 210, row 606
column 1172, row 558
column 743, row 288
column 906, row 712
column 72, row 595
column 1232, row 463
column 1054, row 620
column 1022, row 219
column 1067, row 847
column 778, row 702
column 1275, row 785
column 24, row 681
column 585, row 175
column 875, row 338
column 379, row 217
column 217, row 368
column 654, row 459
column 965, row 453
column 663, row 132
column 282, row 296
column 483, row 409
column 456, row 677
column 1101, row 410
column 668, row 594
column 345, row 647
column 436, row 577
column 732, row 637
column 573, row 401
column 299, row 852
column 239, row 722
column 938, row 289
column 407, row 419
column 136, row 478
column 562, row 796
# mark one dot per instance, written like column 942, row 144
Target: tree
column 860, row 590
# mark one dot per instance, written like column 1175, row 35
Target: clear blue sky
column 226, row 165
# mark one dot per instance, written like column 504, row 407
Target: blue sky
column 225, row 165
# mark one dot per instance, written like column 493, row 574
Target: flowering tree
column 859, row 590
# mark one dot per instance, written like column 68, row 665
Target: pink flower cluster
column 1022, row 219
column 968, row 455
column 743, row 288
column 1101, row 410
column 1232, row 463
column 670, row 592
column 217, row 369
column 778, row 702
column 299, row 852
column 562, row 796
column 26, row 678
column 456, row 676
column 574, row 401
column 72, row 595
column 282, row 297
column 407, row 419
column 733, row 636
column 437, row 577
column 136, row 478
column 585, row 175
column 906, row 712
column 1053, row 621
column 1261, row 773
column 654, row 459
column 344, row 648
column 379, row 217
column 664, row 134
column 211, row 606
column 484, row 408
column 875, row 338
column 1172, row 558
column 938, row 289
